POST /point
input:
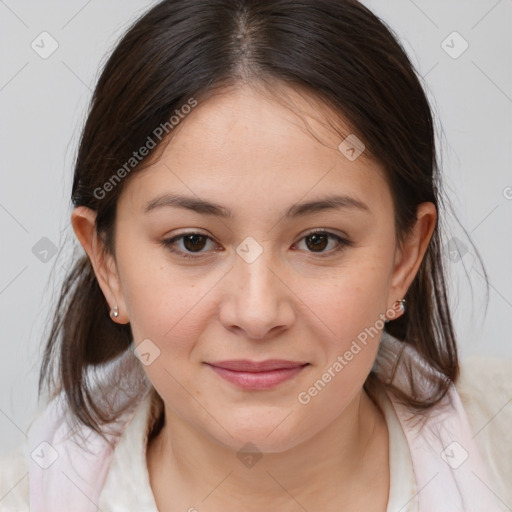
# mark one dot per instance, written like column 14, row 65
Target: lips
column 244, row 365
column 257, row 375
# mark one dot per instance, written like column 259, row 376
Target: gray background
column 43, row 104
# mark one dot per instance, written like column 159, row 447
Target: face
column 259, row 276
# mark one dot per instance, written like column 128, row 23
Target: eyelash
column 342, row 243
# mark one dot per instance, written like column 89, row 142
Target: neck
column 188, row 466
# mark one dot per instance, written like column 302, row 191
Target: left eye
column 316, row 242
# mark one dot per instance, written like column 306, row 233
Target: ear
column 409, row 255
column 83, row 221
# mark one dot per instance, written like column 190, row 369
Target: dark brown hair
column 337, row 50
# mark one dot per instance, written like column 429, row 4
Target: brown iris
column 194, row 242
column 319, row 240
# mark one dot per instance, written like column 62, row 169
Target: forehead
column 246, row 147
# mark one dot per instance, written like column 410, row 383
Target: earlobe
column 410, row 255
column 83, row 220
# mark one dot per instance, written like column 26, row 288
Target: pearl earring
column 114, row 312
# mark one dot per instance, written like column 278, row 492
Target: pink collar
column 69, row 463
column 450, row 473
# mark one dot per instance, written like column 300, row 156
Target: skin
column 247, row 152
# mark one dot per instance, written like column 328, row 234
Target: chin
column 260, row 437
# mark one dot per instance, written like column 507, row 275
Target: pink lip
column 257, row 375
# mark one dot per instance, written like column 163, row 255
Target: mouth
column 257, row 375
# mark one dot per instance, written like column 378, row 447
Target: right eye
column 192, row 242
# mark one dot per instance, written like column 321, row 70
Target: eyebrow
column 203, row 207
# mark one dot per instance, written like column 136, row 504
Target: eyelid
column 325, row 231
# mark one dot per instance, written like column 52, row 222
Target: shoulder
column 14, row 489
column 485, row 389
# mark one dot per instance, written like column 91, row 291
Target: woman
column 260, row 318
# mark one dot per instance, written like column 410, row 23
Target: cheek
column 159, row 300
column 166, row 309
column 352, row 302
column 351, row 310
column 172, row 314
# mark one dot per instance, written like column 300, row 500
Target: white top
column 128, row 469
column 485, row 388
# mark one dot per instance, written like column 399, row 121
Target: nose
column 257, row 299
